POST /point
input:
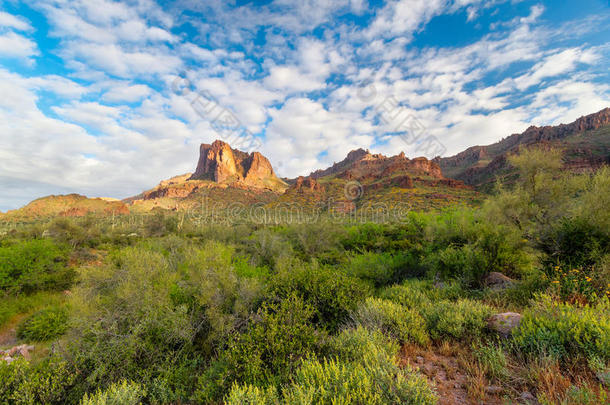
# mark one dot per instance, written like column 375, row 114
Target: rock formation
column 220, row 163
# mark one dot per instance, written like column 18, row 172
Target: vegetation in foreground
column 165, row 312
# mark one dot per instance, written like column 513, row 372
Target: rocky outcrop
column 220, row 163
column 497, row 281
column 307, row 185
column 13, row 353
column 504, row 323
column 361, row 165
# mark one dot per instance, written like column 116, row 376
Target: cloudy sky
column 107, row 98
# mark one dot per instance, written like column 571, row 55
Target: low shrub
column 492, row 360
column 249, row 394
column 416, row 293
column 45, row 382
column 35, row 265
column 373, row 379
column 11, row 305
column 378, row 269
column 456, row 320
column 394, row 320
column 332, row 294
column 279, row 337
column 353, row 344
column 561, row 330
column 122, row 393
column 46, row 324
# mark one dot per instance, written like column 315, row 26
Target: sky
column 107, row 98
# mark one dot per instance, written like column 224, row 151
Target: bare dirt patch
column 453, row 383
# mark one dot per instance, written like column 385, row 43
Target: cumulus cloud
column 17, row 46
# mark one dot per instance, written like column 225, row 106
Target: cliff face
column 586, row 145
column 220, row 163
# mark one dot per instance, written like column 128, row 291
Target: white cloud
column 125, row 92
column 11, row 21
column 17, row 46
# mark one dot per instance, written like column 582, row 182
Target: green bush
column 11, row 305
column 378, row 269
column 330, row 293
column 415, row 293
column 394, row 320
column 46, row 324
column 267, row 353
column 354, row 344
column 362, row 370
column 561, row 330
column 249, row 394
column 374, row 379
column 123, row 393
column 126, row 325
column 29, row 266
column 492, row 360
column 456, row 320
column 46, row 382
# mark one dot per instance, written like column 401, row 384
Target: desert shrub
column 77, row 235
column 225, row 298
column 249, row 394
column 11, row 305
column 457, row 262
column 378, row 269
column 122, row 393
column 353, row 344
column 330, row 293
column 320, row 240
column 456, row 320
column 126, row 325
column 415, row 293
column 575, row 242
column 160, row 223
column 492, row 360
column 374, row 237
column 46, row 324
column 44, row 382
column 267, row 353
column 373, row 379
column 267, row 247
column 29, row 266
column 394, row 320
column 561, row 330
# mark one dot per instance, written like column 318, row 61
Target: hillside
column 71, row 205
column 364, row 180
column 586, row 145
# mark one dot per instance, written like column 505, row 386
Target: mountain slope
column 586, row 145
column 363, row 179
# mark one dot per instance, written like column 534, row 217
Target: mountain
column 223, row 175
column 220, row 163
column 363, row 179
column 586, row 145
column 71, row 205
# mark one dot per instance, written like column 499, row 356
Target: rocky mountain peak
column 220, row 163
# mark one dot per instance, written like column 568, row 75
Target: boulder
column 497, row 281
column 504, row 323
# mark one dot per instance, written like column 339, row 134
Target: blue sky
column 107, row 98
